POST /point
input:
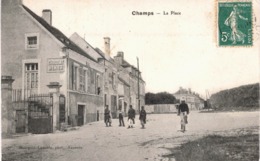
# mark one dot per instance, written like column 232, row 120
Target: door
column 97, row 115
column 81, row 115
column 113, row 106
column 31, row 78
column 20, row 121
column 62, row 109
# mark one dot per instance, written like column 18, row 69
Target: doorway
column 81, row 115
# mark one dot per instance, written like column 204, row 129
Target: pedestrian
column 142, row 117
column 183, row 111
column 131, row 117
column 107, row 116
column 121, row 117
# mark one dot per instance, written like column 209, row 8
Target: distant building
column 193, row 99
column 133, row 77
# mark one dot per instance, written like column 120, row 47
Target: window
column 88, row 80
column 74, row 77
column 31, row 77
column 106, row 79
column 32, row 41
column 82, row 79
column 113, row 80
column 98, row 88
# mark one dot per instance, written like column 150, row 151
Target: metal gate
column 40, row 112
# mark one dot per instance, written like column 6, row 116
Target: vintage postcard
column 95, row 80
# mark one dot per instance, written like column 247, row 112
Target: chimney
column 120, row 54
column 47, row 16
column 107, row 45
column 119, row 57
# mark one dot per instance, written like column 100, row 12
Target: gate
column 40, row 109
column 20, row 119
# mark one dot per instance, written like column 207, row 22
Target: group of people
column 183, row 111
column 131, row 117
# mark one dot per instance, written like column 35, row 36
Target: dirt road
column 96, row 142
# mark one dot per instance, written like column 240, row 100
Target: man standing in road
column 121, row 118
column 131, row 117
column 142, row 117
column 107, row 116
column 183, row 111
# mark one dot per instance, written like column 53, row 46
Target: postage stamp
column 235, row 23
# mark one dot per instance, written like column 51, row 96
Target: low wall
column 161, row 108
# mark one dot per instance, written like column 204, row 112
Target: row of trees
column 159, row 98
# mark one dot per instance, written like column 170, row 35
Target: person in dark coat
column 131, row 117
column 142, row 117
column 121, row 118
column 107, row 116
column 183, row 111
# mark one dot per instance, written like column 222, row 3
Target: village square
column 66, row 99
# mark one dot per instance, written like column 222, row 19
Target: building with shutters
column 35, row 53
column 37, row 56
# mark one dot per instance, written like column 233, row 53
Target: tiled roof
column 58, row 34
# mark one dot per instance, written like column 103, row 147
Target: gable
column 58, row 34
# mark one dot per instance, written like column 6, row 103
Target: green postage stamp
column 235, row 23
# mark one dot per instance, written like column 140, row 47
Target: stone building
column 35, row 53
column 59, row 80
column 110, row 81
column 193, row 99
column 133, row 77
column 120, row 84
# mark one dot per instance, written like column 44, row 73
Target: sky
column 173, row 50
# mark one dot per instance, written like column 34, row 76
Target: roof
column 59, row 35
column 123, row 81
column 100, row 52
column 105, row 56
column 125, row 64
column 85, row 46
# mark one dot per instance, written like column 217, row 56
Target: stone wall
column 161, row 108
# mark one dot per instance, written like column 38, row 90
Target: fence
column 21, row 94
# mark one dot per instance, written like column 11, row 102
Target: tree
column 159, row 98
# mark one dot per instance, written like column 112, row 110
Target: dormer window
column 31, row 41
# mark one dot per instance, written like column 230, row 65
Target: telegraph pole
column 138, row 84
